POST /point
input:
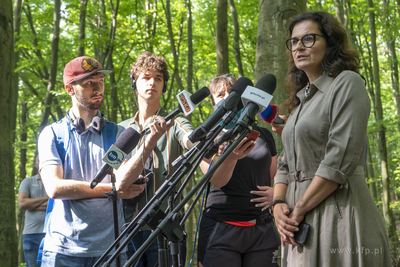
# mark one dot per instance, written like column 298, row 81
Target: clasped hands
column 287, row 222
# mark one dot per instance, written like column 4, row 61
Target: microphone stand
column 151, row 213
column 113, row 196
column 170, row 226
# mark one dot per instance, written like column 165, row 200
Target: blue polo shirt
column 82, row 227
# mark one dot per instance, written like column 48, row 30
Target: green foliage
column 132, row 37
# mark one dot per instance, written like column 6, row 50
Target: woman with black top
column 236, row 228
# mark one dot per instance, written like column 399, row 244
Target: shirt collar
column 320, row 84
column 135, row 119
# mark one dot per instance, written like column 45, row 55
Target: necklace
column 307, row 92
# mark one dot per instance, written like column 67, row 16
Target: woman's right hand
column 278, row 128
column 242, row 149
column 285, row 225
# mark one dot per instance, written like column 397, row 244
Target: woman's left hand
column 298, row 217
column 266, row 193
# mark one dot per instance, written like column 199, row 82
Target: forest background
column 198, row 38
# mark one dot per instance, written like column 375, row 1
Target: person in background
column 320, row 179
column 149, row 76
column 32, row 197
column 236, row 228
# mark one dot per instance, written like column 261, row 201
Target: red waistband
column 241, row 224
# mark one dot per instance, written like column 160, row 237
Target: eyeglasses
column 224, row 76
column 307, row 40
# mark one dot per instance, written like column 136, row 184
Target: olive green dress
column 326, row 136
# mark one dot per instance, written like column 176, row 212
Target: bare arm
column 128, row 173
column 266, row 192
column 318, row 190
column 284, row 224
column 59, row 188
column 187, row 143
column 27, row 203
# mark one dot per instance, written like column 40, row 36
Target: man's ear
column 69, row 89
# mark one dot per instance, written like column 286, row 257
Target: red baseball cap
column 80, row 68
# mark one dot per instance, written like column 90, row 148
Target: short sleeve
column 282, row 171
column 349, row 110
column 182, row 128
column 269, row 139
column 48, row 154
column 24, row 186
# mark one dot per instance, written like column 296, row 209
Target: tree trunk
column 340, row 12
column 8, row 233
column 236, row 38
column 54, row 65
column 114, row 91
column 22, row 175
column 393, row 61
column 271, row 54
column 190, row 223
column 190, row 47
column 150, row 23
column 110, row 62
column 101, row 24
column 17, row 31
column 82, row 28
column 221, row 40
column 173, row 48
column 370, row 173
column 386, row 198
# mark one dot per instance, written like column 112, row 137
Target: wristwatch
column 275, row 201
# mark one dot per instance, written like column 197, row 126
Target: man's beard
column 85, row 102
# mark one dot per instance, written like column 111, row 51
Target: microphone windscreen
column 270, row 113
column 200, row 95
column 127, row 140
column 239, row 86
column 267, row 83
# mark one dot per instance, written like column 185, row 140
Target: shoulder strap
column 109, row 131
column 61, row 130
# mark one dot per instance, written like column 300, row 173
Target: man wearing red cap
column 80, row 228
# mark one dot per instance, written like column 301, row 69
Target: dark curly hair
column 339, row 56
column 149, row 62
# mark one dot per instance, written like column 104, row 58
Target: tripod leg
column 162, row 251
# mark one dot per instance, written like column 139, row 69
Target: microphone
column 187, row 104
column 270, row 114
column 231, row 102
column 117, row 153
column 255, row 99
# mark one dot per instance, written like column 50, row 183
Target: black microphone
column 231, row 102
column 255, row 100
column 117, row 153
column 187, row 104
